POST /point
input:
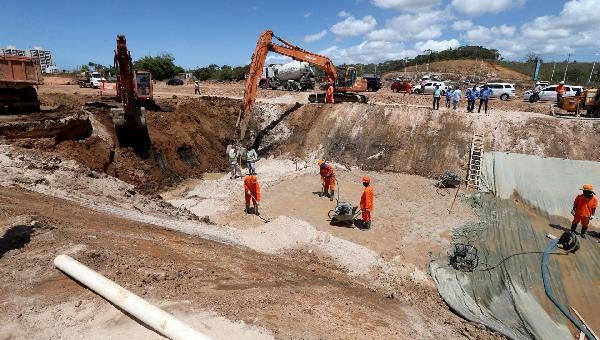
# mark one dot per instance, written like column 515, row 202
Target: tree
column 202, row 73
column 162, row 66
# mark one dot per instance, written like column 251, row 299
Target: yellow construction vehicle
column 587, row 102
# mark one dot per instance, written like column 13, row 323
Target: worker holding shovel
column 251, row 191
column 328, row 178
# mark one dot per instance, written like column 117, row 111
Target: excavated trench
column 193, row 138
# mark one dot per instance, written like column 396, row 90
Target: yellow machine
column 588, row 101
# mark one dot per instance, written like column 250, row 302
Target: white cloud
column 471, row 7
column 368, row 52
column 436, row 45
column 315, row 37
column 407, row 5
column 352, row 27
column 343, row 14
column 420, row 26
column 462, row 25
column 484, row 35
column 307, row 14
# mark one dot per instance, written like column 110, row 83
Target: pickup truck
column 373, row 82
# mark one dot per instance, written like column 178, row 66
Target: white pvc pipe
column 161, row 321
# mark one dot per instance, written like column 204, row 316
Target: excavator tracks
column 338, row 97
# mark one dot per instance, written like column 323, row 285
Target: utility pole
column 553, row 68
column 592, row 72
column 566, row 67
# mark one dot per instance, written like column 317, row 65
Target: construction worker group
column 328, row 181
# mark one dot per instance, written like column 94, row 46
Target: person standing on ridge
column 366, row 202
column 329, row 94
column 449, row 94
column 437, row 94
column 584, row 209
column 484, row 96
column 196, row 87
column 471, row 97
column 456, row 95
column 560, row 91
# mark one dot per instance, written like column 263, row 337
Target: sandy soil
column 192, row 250
column 81, row 215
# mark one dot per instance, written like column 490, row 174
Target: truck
column 19, row 77
column 293, row 76
column 373, row 82
column 92, row 80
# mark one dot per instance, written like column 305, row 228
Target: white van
column 504, row 91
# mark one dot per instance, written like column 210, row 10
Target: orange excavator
column 346, row 82
column 134, row 90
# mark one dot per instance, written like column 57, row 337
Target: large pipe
column 161, row 321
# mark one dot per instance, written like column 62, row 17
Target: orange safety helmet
column 587, row 187
column 319, row 162
column 366, row 179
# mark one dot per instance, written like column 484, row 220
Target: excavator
column 134, row 90
column 345, row 81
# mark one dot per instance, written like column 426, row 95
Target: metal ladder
column 475, row 162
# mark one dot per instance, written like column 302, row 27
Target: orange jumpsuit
column 251, row 184
column 328, row 177
column 329, row 94
column 583, row 209
column 366, row 203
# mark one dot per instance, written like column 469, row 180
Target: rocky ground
column 170, row 225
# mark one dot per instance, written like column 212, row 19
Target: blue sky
column 198, row 33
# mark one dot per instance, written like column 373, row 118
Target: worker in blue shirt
column 449, row 94
column 471, row 97
column 484, row 95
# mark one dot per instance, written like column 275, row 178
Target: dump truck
column 293, row 76
column 19, row 77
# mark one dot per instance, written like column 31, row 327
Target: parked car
column 430, row 87
column 373, row 82
column 549, row 92
column 504, row 91
column 175, row 81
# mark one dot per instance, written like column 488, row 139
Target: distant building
column 51, row 69
column 13, row 51
column 44, row 56
column 184, row 76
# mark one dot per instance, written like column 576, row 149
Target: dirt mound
column 463, row 69
column 421, row 141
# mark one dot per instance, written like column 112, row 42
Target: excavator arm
column 263, row 47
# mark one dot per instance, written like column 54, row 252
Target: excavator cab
column 346, row 77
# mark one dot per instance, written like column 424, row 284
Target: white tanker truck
column 293, row 76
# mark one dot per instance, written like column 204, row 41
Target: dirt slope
column 425, row 142
column 465, row 68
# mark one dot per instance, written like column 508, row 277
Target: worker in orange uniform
column 251, row 191
column 584, row 209
column 560, row 91
column 366, row 202
column 329, row 94
column 327, row 177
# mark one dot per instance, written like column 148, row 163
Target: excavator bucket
column 131, row 129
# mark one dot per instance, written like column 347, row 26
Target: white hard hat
column 562, row 82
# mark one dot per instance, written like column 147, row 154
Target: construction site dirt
column 171, row 227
